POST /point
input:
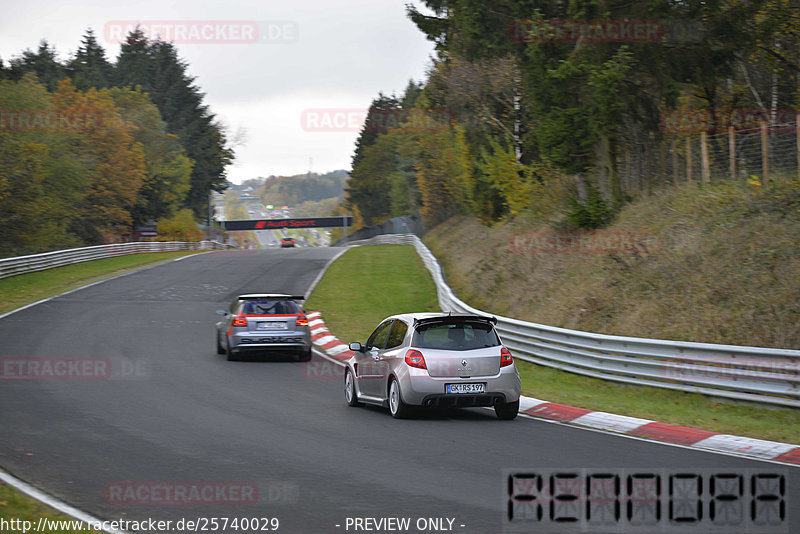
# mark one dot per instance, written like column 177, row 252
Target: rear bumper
column 287, row 342
column 419, row 388
column 463, row 401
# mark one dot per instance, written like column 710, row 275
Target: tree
column 444, row 175
column 368, row 190
column 43, row 63
column 42, row 180
column 166, row 182
column 374, row 125
column 156, row 67
column 118, row 168
column 90, row 68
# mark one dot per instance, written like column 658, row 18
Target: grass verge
column 367, row 284
column 23, row 289
column 15, row 505
column 664, row 405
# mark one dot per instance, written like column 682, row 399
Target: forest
column 568, row 110
column 90, row 147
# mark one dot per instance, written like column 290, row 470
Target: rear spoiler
column 458, row 318
column 256, row 296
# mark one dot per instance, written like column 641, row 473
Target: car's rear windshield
column 455, row 336
column 270, row 307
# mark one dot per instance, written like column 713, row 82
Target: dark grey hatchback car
column 264, row 323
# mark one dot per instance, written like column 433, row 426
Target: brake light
column 505, row 357
column 301, row 321
column 239, row 321
column 414, row 358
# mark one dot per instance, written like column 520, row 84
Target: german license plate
column 466, row 388
column 272, row 325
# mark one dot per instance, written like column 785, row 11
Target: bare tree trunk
column 704, row 157
column 689, row 159
column 674, row 162
column 732, row 151
column 764, row 153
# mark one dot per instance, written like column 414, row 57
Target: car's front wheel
column 220, row 348
column 398, row 408
column 350, row 394
column 507, row 411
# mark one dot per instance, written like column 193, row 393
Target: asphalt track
column 175, row 413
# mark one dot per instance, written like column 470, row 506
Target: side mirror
column 222, row 312
column 355, row 346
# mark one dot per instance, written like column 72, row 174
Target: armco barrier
column 59, row 258
column 737, row 372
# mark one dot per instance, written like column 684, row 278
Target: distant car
column 430, row 360
column 287, row 242
column 264, row 323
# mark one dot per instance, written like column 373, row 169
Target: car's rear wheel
column 398, row 408
column 350, row 394
column 507, row 411
column 229, row 353
column 306, row 356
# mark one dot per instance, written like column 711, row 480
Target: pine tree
column 157, row 69
column 89, row 67
column 44, row 63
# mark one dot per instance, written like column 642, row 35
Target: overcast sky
column 301, row 74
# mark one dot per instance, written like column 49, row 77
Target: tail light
column 505, row 357
column 414, row 358
column 301, row 321
column 239, row 321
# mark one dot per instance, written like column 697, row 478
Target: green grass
column 664, row 405
column 23, row 289
column 16, row 505
column 367, row 284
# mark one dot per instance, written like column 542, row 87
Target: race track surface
column 173, row 414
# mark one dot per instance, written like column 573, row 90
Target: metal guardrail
column 757, row 374
column 59, row 258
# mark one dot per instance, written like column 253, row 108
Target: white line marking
column 51, row 501
column 610, row 421
column 333, row 351
column 192, row 255
column 749, row 446
column 324, row 340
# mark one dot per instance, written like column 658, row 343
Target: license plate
column 276, row 325
column 466, row 388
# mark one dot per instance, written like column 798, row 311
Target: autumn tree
column 118, row 169
column 166, row 182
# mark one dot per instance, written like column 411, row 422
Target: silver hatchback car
column 433, row 359
column 264, row 322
